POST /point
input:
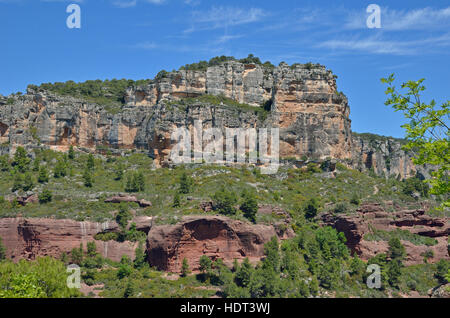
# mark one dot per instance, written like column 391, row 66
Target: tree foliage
column 427, row 131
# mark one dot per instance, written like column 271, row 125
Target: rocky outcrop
column 167, row 245
column 30, row 238
column 213, row 236
column 370, row 217
column 304, row 103
column 312, row 116
column 384, row 156
column 128, row 198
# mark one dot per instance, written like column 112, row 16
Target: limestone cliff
column 302, row 100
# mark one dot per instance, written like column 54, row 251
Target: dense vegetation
column 105, row 92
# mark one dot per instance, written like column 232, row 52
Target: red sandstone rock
column 30, row 238
column 214, row 236
column 368, row 216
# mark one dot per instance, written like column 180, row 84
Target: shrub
column 21, row 160
column 45, row 196
column 224, row 202
column 311, row 208
column 185, row 183
column 87, row 178
column 185, row 268
column 249, row 206
column 2, row 250
column 340, row 208
column 43, row 175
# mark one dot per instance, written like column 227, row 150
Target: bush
column 87, row 178
column 135, row 182
column 224, row 202
column 340, row 208
column 2, row 250
column 311, row 208
column 185, row 183
column 21, row 160
column 185, row 268
column 45, row 196
column 249, row 206
column 43, row 175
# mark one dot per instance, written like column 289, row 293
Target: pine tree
column 45, row 196
column 2, row 250
column 28, row 183
column 21, row 160
column 87, row 177
column 176, row 201
column 249, row 206
column 185, row 183
column 71, row 153
column 43, row 175
column 185, row 268
column 90, row 162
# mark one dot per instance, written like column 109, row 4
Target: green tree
column 118, row 172
column 91, row 249
column 18, row 182
column 123, row 216
column 24, row 286
column 176, row 200
column 45, row 196
column 249, row 206
column 28, row 182
column 244, row 274
column 442, row 268
column 185, row 268
column 87, row 178
column 90, row 162
column 311, row 208
column 140, row 181
column 36, row 164
column 77, row 255
column 396, row 249
column 4, row 163
column 139, row 260
column 427, row 131
column 2, row 250
column 224, row 202
column 205, row 264
column 71, row 153
column 60, row 169
column 43, row 175
column 185, row 183
column 21, row 160
column 125, row 268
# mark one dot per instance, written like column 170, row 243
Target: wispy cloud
column 379, row 45
column 223, row 17
column 404, row 20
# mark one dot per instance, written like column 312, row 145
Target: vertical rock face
column 313, row 117
column 213, row 236
column 31, row 238
column 384, row 156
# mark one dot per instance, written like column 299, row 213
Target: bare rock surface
column 371, row 217
column 213, row 236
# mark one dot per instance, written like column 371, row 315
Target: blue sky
column 137, row 38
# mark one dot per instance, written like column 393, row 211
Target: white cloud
column 378, row 45
column 404, row 20
column 222, row 17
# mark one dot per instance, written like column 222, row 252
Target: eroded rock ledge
column 370, row 217
column 214, row 236
column 167, row 245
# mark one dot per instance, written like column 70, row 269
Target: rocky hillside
column 302, row 100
